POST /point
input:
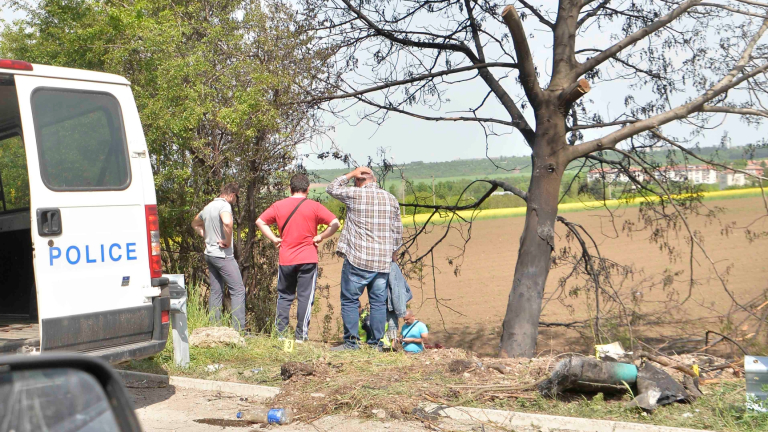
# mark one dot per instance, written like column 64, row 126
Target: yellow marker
column 696, row 369
column 288, row 345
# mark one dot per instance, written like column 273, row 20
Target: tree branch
column 537, row 14
column 635, row 37
column 732, row 9
column 728, row 82
column 734, row 110
column 475, row 31
column 591, row 13
column 459, row 47
column 506, row 100
column 572, row 93
column 524, row 57
column 753, row 3
column 429, row 118
column 602, row 125
column 495, row 184
column 411, row 80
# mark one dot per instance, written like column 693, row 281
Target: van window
column 14, row 181
column 80, row 140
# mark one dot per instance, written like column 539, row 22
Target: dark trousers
column 226, row 272
column 293, row 281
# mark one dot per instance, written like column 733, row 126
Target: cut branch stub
column 524, row 57
column 572, row 93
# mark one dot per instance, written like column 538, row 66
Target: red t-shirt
column 297, row 246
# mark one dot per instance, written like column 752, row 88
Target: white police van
column 80, row 265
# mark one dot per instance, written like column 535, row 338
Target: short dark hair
column 230, row 188
column 299, row 183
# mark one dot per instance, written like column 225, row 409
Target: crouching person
column 414, row 334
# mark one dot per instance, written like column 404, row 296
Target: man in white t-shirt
column 215, row 225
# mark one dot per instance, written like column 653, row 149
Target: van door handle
column 48, row 222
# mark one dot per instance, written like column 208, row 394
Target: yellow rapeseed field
column 563, row 208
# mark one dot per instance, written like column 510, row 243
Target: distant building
column 754, row 168
column 611, row 175
column 696, row 174
column 730, row 178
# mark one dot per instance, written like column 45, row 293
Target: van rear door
column 88, row 214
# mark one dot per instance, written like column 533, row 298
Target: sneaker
column 345, row 347
column 299, row 341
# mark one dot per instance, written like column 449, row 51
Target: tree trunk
column 521, row 322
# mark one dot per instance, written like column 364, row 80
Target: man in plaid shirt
column 369, row 241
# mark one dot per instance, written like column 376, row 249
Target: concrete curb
column 544, row 423
column 249, row 390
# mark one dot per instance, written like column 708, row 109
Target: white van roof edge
column 70, row 74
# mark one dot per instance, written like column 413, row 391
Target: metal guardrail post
column 756, row 370
column 178, row 293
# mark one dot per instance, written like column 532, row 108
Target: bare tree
column 679, row 63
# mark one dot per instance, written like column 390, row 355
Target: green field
column 501, row 175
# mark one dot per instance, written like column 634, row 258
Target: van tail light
column 15, row 65
column 153, row 241
column 164, row 317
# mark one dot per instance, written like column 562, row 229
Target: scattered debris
column 145, row 384
column 670, row 363
column 291, row 369
column 613, row 352
column 317, row 395
column 379, row 413
column 461, row 366
column 421, row 414
column 209, row 337
column 691, row 385
column 588, row 374
column 502, row 369
column 250, row 372
column 214, row 367
column 655, row 388
column 221, row 422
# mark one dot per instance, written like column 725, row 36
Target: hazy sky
column 407, row 139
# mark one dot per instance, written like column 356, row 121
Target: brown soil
column 473, row 296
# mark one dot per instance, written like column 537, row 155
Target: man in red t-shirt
column 297, row 218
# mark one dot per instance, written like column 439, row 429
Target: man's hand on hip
column 394, row 256
column 277, row 242
column 222, row 244
column 317, row 240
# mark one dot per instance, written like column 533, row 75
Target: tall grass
column 197, row 310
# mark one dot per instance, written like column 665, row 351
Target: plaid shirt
column 373, row 229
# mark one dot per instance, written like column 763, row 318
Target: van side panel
column 93, row 277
